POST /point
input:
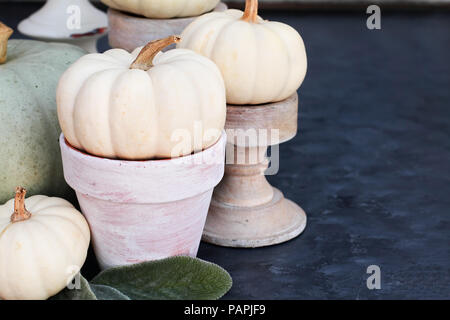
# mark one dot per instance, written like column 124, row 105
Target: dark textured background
column 370, row 166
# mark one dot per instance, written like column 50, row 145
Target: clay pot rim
column 121, row 181
column 191, row 157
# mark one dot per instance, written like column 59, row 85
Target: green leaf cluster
column 176, row 278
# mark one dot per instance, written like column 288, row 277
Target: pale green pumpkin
column 29, row 128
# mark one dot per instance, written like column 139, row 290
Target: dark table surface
column 370, row 165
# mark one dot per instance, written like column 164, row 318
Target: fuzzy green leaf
column 83, row 293
column 174, row 278
column 107, row 293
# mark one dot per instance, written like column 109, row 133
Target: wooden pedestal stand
column 246, row 211
column 128, row 31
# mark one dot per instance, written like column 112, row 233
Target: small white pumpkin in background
column 43, row 244
column 163, row 9
column 112, row 107
column 261, row 61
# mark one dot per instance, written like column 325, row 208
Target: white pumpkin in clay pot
column 261, row 61
column 135, row 106
column 43, row 244
column 163, row 9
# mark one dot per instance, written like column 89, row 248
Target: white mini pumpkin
column 163, row 9
column 261, row 61
column 43, row 244
column 112, row 110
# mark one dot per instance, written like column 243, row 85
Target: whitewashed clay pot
column 73, row 21
column 144, row 210
column 128, row 31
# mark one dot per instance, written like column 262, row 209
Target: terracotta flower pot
column 144, row 210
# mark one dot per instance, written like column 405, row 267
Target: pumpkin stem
column 251, row 11
column 5, row 33
column 144, row 60
column 20, row 212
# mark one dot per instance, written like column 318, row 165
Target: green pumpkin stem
column 144, row 60
column 5, row 33
column 20, row 212
column 251, row 11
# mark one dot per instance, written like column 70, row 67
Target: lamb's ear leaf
column 81, row 291
column 107, row 293
column 169, row 279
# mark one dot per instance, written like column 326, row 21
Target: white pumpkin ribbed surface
column 39, row 256
column 112, row 111
column 163, row 9
column 261, row 61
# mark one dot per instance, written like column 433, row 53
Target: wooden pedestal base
column 246, row 211
column 128, row 31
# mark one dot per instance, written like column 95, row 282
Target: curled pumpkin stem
column 251, row 11
column 20, row 212
column 144, row 60
column 5, row 33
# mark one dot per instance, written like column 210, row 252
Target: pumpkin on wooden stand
column 29, row 130
column 261, row 61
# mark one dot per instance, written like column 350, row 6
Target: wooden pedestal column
column 246, row 211
column 128, row 31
